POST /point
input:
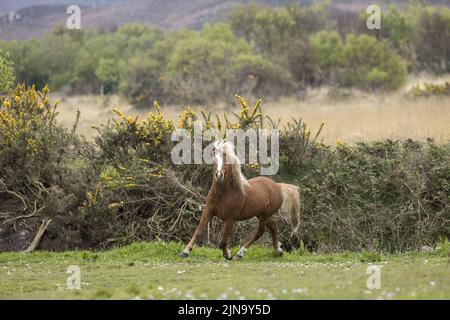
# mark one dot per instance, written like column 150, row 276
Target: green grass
column 154, row 271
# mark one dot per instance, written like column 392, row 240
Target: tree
column 95, row 48
column 61, row 48
column 141, row 81
column 214, row 65
column 6, row 73
column 272, row 29
column 107, row 72
column 370, row 64
column 326, row 47
column 301, row 62
column 396, row 28
column 29, row 60
column 432, row 38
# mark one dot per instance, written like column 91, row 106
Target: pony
column 232, row 197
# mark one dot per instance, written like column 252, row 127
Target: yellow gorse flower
column 246, row 118
column 153, row 130
column 342, row 145
column 22, row 115
column 186, row 119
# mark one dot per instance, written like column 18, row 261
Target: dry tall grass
column 363, row 117
column 373, row 118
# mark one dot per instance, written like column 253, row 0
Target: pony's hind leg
column 274, row 231
column 227, row 229
column 259, row 232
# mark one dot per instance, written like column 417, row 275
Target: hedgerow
column 123, row 187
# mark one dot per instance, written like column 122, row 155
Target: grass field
column 154, row 271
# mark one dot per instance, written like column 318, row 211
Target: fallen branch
column 38, row 236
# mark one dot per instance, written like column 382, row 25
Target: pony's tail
column 291, row 206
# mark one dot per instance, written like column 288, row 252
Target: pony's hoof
column 237, row 257
column 184, row 254
column 279, row 253
column 228, row 258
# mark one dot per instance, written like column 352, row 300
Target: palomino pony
column 232, row 197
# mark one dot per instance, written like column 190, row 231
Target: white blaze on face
column 219, row 160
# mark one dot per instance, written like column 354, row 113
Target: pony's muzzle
column 219, row 176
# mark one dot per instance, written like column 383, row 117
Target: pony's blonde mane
column 237, row 178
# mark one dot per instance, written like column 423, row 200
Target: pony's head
column 221, row 160
column 227, row 166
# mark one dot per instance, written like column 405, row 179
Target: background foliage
column 257, row 50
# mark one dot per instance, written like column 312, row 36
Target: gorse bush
column 30, row 135
column 430, row 89
column 41, row 168
column 123, row 187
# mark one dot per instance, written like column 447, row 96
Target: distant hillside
column 36, row 20
column 23, row 19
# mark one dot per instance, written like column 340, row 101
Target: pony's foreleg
column 227, row 229
column 206, row 216
column 274, row 231
column 259, row 232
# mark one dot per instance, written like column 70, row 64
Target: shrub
column 142, row 81
column 42, row 174
column 370, row 64
column 213, row 65
column 386, row 195
column 430, row 89
column 30, row 137
column 6, row 73
column 327, row 53
column 431, row 38
column 107, row 72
